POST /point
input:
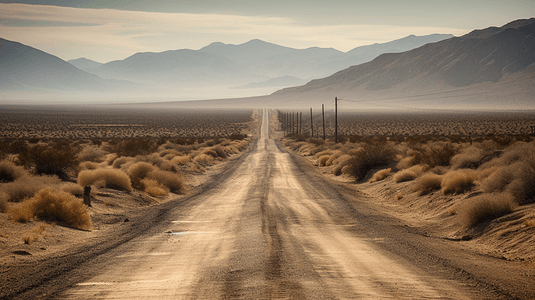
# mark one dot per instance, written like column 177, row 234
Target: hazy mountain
column 177, row 67
column 274, row 82
column 483, row 58
column 26, row 68
column 84, row 64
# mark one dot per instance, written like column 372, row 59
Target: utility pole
column 311, row 125
column 301, row 123
column 336, row 119
column 323, row 115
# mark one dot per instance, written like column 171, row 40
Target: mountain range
column 493, row 67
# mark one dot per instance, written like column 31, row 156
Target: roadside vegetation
column 496, row 174
column 45, row 180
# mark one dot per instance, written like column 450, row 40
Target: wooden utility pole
column 311, row 125
column 301, row 123
column 336, row 119
column 323, row 115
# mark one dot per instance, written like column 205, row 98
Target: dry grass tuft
column 180, row 160
column 380, row 175
column 370, row 156
column 172, row 181
column 154, row 188
column 458, row 181
column 428, row 183
column 113, row 178
column 410, row 173
column 92, row 153
column 204, row 158
column 485, row 207
column 138, row 171
column 119, row 162
column 26, row 187
column 10, row 172
column 53, row 204
column 34, row 234
column 398, row 196
column 72, row 188
column 88, row 165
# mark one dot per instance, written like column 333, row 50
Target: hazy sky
column 115, row 29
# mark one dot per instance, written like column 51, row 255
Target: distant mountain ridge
column 84, row 64
column 23, row 67
column 238, row 65
column 482, row 57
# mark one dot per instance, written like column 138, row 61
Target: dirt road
column 269, row 228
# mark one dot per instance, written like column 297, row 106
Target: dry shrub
column 34, row 234
column 110, row 159
column 113, row 178
column 437, row 154
column 322, row 161
column 523, row 186
column 171, row 180
column 119, row 162
column 26, row 187
column 55, row 159
column 334, row 157
column 468, row 158
column 138, row 171
column 88, row 165
column 458, row 181
column 485, row 207
column 324, row 152
column 92, row 153
column 220, row 151
column 53, row 204
column 203, row 158
column 410, row 173
column 405, row 163
column 154, row 188
column 381, row 174
column 370, row 156
column 10, row 172
column 428, row 183
column 180, row 160
column 133, row 147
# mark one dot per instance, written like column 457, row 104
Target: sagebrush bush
column 485, row 207
column 133, row 147
column 72, row 188
column 173, row 181
column 26, row 187
column 10, row 172
column 436, row 154
column 381, row 174
column 88, row 165
column 119, row 162
column 91, row 153
column 428, row 183
column 154, row 188
column 55, row 159
column 113, row 178
column 203, row 158
column 370, row 156
column 53, row 204
column 180, row 160
column 138, row 171
column 410, row 173
column 458, row 181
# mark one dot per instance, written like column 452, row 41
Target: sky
column 115, row 29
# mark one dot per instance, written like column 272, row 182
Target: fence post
column 311, row 125
column 336, row 119
column 323, row 115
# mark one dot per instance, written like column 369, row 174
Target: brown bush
column 3, row 202
column 370, row 156
column 27, row 186
column 133, row 147
column 428, row 183
column 485, row 207
column 56, row 159
column 154, row 188
column 53, row 204
column 119, row 162
column 436, row 154
column 171, row 180
column 113, row 178
column 72, row 188
column 458, row 181
column 138, row 171
column 180, row 160
column 10, row 172
column 409, row 174
column 91, row 153
column 381, row 174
